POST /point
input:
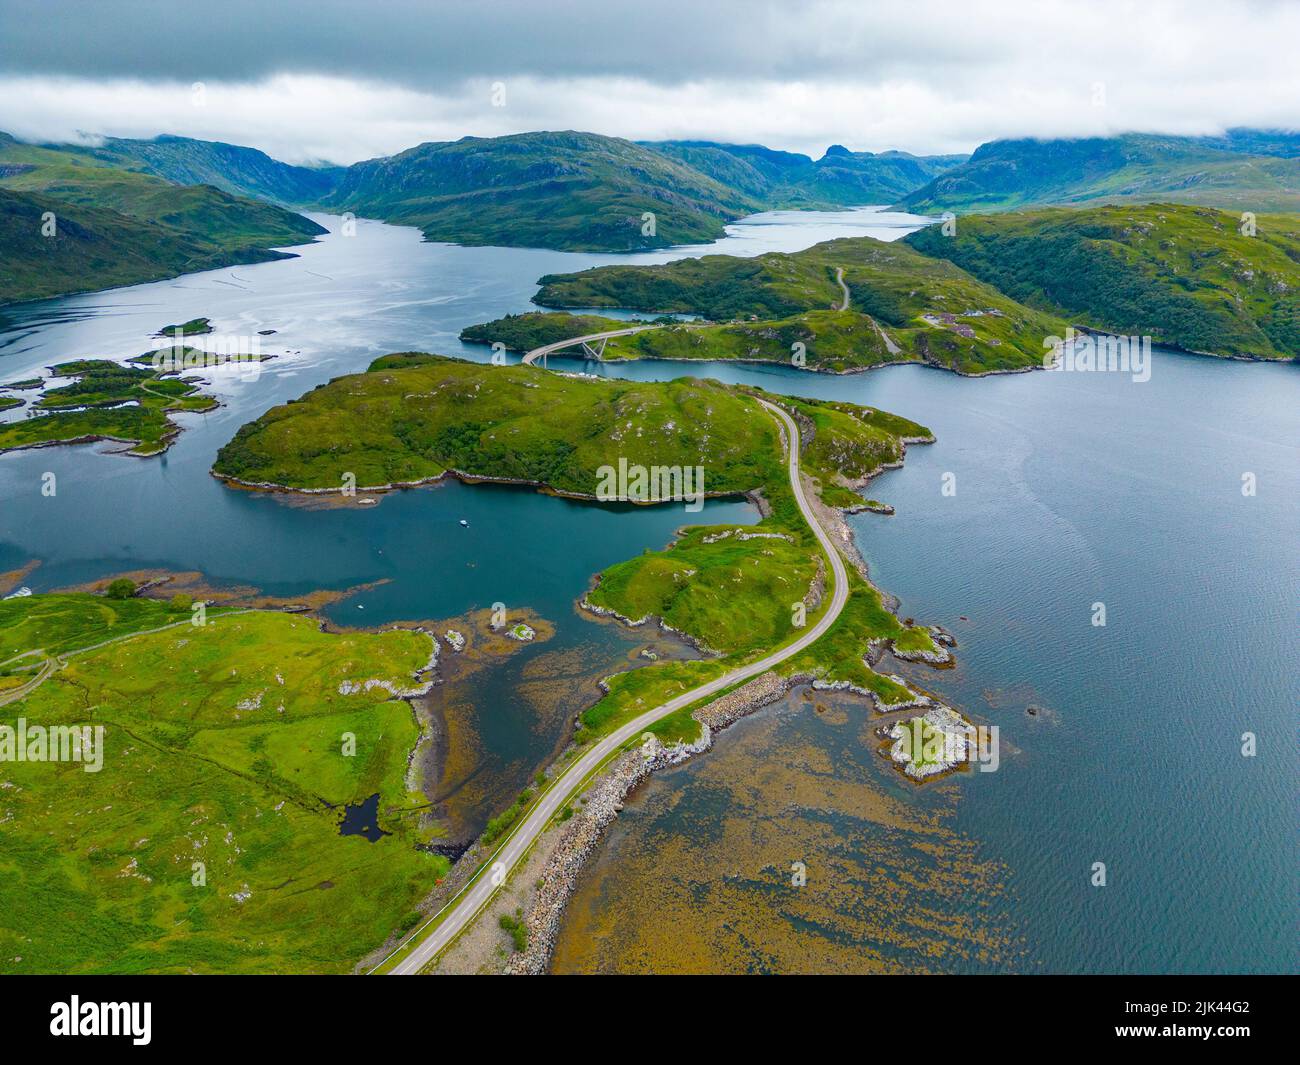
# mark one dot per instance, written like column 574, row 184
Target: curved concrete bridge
column 583, row 342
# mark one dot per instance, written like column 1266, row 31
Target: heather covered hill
column 566, row 190
column 1220, row 172
column 1186, row 276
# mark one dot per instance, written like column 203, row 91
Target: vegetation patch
column 412, row 417
column 75, row 219
column 209, row 841
column 194, row 327
column 107, row 400
column 781, row 307
column 1182, row 275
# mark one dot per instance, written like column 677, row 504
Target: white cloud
column 921, row 76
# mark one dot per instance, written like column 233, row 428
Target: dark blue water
column 362, row 819
column 1074, row 489
column 1071, row 489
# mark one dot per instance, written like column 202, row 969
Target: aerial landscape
column 482, row 495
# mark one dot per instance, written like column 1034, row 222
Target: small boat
column 464, row 523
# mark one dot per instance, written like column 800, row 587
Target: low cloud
column 319, row 84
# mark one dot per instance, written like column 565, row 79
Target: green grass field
column 224, row 745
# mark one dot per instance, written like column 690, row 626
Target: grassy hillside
column 107, row 401
column 119, row 227
column 572, row 191
column 1184, row 275
column 96, row 248
column 414, row 416
column 231, row 168
column 223, row 746
column 1003, row 175
column 903, row 306
column 786, row 179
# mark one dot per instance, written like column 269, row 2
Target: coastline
column 546, row 880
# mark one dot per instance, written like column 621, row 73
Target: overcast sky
column 342, row 81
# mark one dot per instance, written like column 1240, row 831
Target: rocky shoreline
column 421, row 482
column 602, row 803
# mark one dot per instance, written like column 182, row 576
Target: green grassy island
column 107, row 401
column 194, row 327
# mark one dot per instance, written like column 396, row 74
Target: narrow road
column 839, row 278
column 57, row 661
column 890, row 346
column 47, row 667
column 462, row 910
column 546, row 349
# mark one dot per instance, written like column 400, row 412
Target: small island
column 107, row 401
column 193, row 328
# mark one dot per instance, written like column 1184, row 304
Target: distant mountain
column 1183, row 275
column 119, row 226
column 787, row 179
column 93, row 248
column 1285, row 143
column 228, row 167
column 1219, row 172
column 571, row 191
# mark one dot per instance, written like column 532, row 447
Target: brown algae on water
column 701, row 871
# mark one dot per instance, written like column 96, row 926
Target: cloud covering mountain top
column 344, row 81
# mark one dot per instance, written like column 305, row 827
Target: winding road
column 839, row 279
column 462, row 909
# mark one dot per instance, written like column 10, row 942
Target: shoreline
column 562, row 858
column 274, row 488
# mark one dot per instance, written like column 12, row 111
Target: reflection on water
column 362, row 819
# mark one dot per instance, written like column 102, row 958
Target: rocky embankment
column 601, row 805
